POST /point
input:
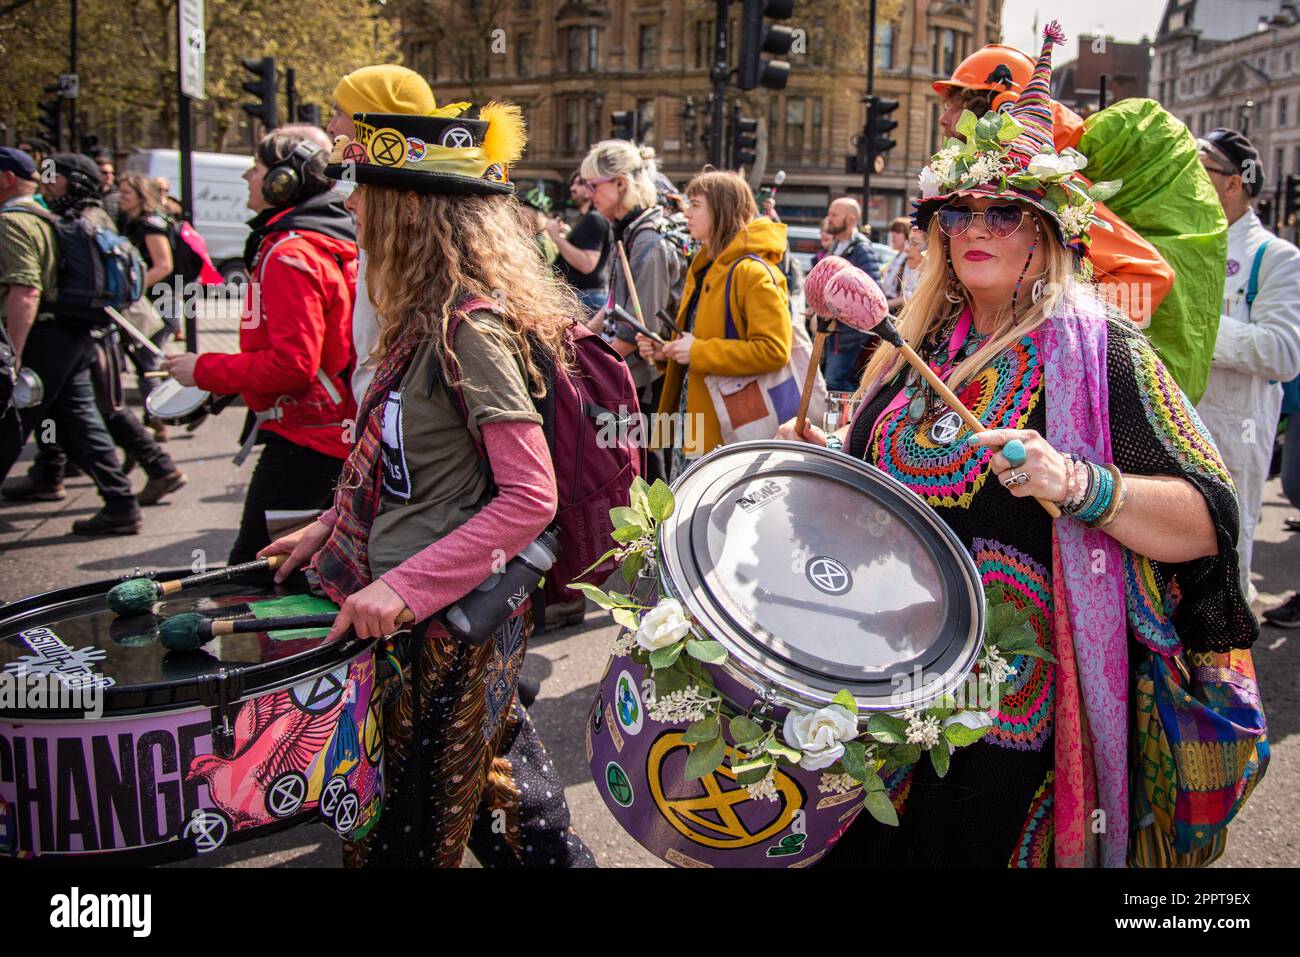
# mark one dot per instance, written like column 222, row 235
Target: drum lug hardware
column 766, row 701
column 221, row 691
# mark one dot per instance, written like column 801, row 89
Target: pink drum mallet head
column 836, row 289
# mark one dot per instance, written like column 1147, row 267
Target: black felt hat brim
column 421, row 181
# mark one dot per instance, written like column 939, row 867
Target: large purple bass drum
column 817, row 573
column 114, row 749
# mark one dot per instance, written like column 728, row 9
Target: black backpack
column 98, row 266
column 186, row 262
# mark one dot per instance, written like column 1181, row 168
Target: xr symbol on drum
column 347, row 812
column 286, row 794
column 330, row 796
column 322, row 694
column 828, row 575
column 208, row 830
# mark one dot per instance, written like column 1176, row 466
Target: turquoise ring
column 1014, row 453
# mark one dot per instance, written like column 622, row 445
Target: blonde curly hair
column 425, row 252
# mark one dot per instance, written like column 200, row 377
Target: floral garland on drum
column 663, row 638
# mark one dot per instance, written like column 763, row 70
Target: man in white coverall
column 1258, row 344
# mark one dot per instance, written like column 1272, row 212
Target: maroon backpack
column 580, row 412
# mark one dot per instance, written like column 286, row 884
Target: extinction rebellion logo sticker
column 53, row 657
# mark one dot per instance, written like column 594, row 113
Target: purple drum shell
column 157, row 783
column 638, row 763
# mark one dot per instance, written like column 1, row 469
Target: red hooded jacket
column 297, row 320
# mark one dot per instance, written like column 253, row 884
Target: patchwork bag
column 1200, row 746
column 754, row 406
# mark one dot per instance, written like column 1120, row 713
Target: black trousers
column 123, row 424
column 62, row 355
column 287, row 476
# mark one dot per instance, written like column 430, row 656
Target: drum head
column 175, row 403
column 818, row 572
column 72, row 633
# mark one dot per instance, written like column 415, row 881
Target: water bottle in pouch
column 476, row 616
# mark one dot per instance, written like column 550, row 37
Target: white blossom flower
column 987, row 167
column 663, row 625
column 930, row 183
column 836, row 783
column 686, row 704
column 1075, row 219
column 923, row 730
column 997, row 668
column 1053, row 165
column 621, row 647
column 764, row 789
column 820, row 735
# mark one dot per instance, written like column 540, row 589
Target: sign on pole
column 192, row 45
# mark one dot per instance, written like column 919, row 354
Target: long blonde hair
column 930, row 307
column 424, row 252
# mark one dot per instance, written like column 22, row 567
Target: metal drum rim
column 332, row 655
column 746, row 666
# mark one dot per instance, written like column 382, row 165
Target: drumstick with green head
column 188, row 631
column 137, row 595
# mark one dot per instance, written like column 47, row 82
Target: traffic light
column 265, row 89
column 1264, row 210
column 757, row 38
column 622, row 125
column 309, row 113
column 744, row 140
column 879, row 126
column 1291, row 198
column 52, row 117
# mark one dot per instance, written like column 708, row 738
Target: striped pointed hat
column 1011, row 155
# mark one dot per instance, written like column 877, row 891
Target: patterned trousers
column 463, row 765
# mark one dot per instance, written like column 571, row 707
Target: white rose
column 930, row 183
column 663, row 625
column 970, row 719
column 820, row 735
column 1049, row 165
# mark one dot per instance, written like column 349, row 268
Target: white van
column 220, row 200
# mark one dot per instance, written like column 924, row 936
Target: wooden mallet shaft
column 954, row 403
column 240, row 626
column 631, row 286
column 220, row 574
column 810, row 377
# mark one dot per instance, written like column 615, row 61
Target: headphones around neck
column 283, row 182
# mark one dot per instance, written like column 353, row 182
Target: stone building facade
column 570, row 64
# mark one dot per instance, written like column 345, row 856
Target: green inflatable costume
column 1169, row 199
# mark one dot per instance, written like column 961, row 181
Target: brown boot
column 24, row 488
column 156, row 488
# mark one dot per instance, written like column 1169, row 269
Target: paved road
column 37, row 553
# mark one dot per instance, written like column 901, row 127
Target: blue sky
column 1122, row 19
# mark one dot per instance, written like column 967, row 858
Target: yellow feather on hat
column 506, row 137
column 450, row 111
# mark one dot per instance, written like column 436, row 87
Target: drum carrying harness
column 276, row 411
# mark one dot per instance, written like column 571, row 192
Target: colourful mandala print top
column 950, row 473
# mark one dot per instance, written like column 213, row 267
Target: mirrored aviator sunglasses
column 1000, row 221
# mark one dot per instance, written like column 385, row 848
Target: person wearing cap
column 992, row 78
column 1081, row 414
column 383, row 88
column 61, row 353
column 436, row 490
column 1258, row 343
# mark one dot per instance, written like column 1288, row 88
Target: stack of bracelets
column 1094, row 494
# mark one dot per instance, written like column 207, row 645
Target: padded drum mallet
column 847, row 294
column 188, row 631
column 137, row 595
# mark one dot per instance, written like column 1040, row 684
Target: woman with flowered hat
column 1140, row 566
column 450, row 477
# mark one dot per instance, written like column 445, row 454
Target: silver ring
column 1014, row 479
